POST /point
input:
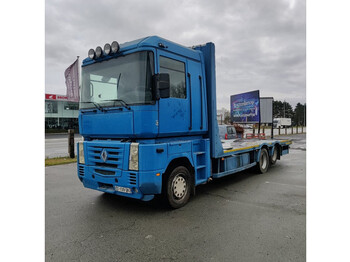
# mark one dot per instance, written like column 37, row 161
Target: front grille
column 107, row 165
column 114, row 156
column 81, row 170
column 132, row 179
column 105, row 172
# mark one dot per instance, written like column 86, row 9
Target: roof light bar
column 108, row 49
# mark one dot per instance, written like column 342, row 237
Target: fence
column 277, row 131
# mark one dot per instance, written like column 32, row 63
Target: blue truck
column 148, row 120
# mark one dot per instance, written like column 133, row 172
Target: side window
column 71, row 106
column 176, row 71
column 231, row 130
column 51, row 107
column 222, row 131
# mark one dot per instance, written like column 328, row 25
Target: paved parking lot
column 244, row 217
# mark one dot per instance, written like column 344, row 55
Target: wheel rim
column 264, row 161
column 179, row 186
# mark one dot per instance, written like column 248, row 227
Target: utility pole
column 71, row 143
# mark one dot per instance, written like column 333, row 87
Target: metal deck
column 243, row 145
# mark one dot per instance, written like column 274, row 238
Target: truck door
column 174, row 112
column 197, row 95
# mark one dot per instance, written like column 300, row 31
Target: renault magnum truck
column 148, row 120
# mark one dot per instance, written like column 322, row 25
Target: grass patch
column 59, row 161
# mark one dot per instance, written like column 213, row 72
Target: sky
column 260, row 45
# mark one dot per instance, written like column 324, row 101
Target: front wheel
column 263, row 164
column 178, row 187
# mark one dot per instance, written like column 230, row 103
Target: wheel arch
column 179, row 161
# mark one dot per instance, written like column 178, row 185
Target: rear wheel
column 273, row 158
column 178, row 187
column 263, row 164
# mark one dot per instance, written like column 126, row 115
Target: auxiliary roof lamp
column 107, row 50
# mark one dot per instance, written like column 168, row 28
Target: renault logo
column 104, row 155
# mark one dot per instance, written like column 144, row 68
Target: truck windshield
column 122, row 80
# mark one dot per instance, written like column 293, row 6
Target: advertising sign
column 245, row 107
column 55, row 97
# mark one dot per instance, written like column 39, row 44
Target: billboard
column 245, row 107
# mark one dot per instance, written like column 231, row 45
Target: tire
column 273, row 158
column 178, row 187
column 263, row 164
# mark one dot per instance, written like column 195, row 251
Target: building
column 60, row 114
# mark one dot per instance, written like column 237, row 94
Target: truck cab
column 120, row 99
column 143, row 108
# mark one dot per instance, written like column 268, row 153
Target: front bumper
column 143, row 185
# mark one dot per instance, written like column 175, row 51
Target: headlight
column 81, row 153
column 134, row 156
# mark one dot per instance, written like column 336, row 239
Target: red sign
column 62, row 97
column 55, row 97
column 50, row 97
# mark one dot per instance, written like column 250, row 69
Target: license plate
column 123, row 189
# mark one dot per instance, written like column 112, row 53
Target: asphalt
column 56, row 145
column 244, row 217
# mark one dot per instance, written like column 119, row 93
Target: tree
column 300, row 115
column 282, row 110
column 226, row 117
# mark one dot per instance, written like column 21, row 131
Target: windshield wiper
column 98, row 106
column 122, row 102
column 118, row 81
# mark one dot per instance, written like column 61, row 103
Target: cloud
column 259, row 44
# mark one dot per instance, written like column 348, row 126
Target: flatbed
column 241, row 154
column 242, row 145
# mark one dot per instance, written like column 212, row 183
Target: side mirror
column 161, row 86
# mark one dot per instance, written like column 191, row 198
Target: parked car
column 227, row 132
